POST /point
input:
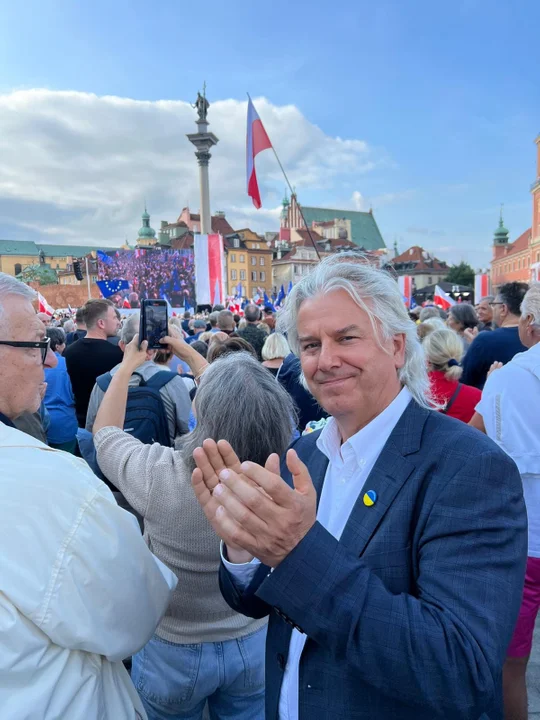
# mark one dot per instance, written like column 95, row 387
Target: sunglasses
column 42, row 345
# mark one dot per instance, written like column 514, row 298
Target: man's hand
column 177, row 344
column 470, row 334
column 268, row 524
column 135, row 356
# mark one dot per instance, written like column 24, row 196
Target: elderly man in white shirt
column 508, row 413
column 79, row 589
column 388, row 549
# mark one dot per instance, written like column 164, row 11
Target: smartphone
column 154, row 323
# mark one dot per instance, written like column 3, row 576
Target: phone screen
column 155, row 323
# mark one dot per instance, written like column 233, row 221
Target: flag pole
column 293, row 193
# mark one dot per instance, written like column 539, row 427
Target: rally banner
column 209, row 264
column 406, row 286
column 481, row 287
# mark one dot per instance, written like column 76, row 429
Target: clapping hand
column 495, row 366
column 252, row 508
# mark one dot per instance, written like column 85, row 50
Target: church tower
column 147, row 234
column 500, row 239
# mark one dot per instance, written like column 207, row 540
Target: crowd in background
column 224, row 377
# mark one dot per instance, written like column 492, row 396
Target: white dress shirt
column 348, row 469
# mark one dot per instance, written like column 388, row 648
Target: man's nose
column 51, row 361
column 328, row 357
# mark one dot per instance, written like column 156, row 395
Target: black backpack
column 146, row 418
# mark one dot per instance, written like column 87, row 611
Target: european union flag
column 413, row 304
column 290, row 287
column 268, row 302
column 281, row 296
column 111, row 287
column 104, row 258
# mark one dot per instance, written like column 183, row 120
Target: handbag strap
column 452, row 399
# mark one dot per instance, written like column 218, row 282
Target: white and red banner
column 442, row 299
column 481, row 287
column 209, row 262
column 535, row 272
column 44, row 306
column 405, row 283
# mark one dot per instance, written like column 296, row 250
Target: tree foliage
column 462, row 274
column 43, row 274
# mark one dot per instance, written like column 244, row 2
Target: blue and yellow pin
column 370, row 498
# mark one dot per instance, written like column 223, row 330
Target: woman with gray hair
column 202, row 650
column 462, row 318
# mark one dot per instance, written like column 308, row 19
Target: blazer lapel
column 390, row 473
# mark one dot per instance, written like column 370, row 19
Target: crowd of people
column 310, row 515
column 151, row 274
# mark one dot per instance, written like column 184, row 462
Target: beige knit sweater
column 156, row 483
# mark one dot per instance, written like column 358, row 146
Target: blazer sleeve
column 244, row 601
column 445, row 645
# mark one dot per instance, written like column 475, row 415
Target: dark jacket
column 410, row 613
column 307, row 407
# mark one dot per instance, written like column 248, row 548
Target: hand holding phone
column 154, row 323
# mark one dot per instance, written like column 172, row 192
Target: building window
column 538, row 256
column 18, row 268
column 233, row 257
column 253, row 260
column 261, row 261
column 195, row 228
column 236, row 243
column 296, row 269
column 514, row 267
column 233, row 275
column 242, row 258
column 430, row 281
column 254, row 276
column 262, row 276
column 242, row 274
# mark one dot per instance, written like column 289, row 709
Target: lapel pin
column 370, row 498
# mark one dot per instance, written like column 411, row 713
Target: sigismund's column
column 203, row 142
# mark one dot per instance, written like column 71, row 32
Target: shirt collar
column 6, row 420
column 370, row 439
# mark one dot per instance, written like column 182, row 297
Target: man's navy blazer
column 409, row 615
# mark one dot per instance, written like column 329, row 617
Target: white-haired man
column 79, row 589
column 389, row 548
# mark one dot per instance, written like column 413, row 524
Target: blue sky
column 446, row 96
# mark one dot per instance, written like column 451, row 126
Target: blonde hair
column 275, row 346
column 264, row 327
column 206, row 336
column 441, row 347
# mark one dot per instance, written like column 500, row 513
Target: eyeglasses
column 42, row 345
column 491, row 304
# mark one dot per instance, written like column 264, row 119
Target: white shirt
column 509, row 408
column 79, row 589
column 348, row 469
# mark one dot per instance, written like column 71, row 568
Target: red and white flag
column 442, row 299
column 481, row 287
column 405, row 286
column 209, row 264
column 257, row 141
column 44, row 306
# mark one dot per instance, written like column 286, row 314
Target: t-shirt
column 465, row 401
column 500, row 345
column 86, row 360
column 255, row 337
column 509, row 408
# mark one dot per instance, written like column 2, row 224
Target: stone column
column 203, row 142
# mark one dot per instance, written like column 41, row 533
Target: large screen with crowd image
column 150, row 274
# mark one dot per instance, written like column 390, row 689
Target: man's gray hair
column 238, row 400
column 429, row 312
column 376, row 293
column 130, row 328
column 11, row 286
column 531, row 304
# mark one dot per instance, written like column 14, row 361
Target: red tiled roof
column 306, row 241
column 421, row 259
column 519, row 245
column 220, row 225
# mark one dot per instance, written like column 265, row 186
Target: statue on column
column 202, row 104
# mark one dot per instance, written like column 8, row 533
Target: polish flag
column 209, row 263
column 442, row 299
column 257, row 141
column 405, row 286
column 44, row 306
column 481, row 287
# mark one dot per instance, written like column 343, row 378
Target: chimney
column 219, row 214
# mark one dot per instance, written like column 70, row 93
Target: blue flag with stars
column 111, row 287
column 104, row 258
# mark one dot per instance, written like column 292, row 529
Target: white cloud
column 362, row 203
column 78, row 168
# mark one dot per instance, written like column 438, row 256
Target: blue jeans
column 175, row 681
